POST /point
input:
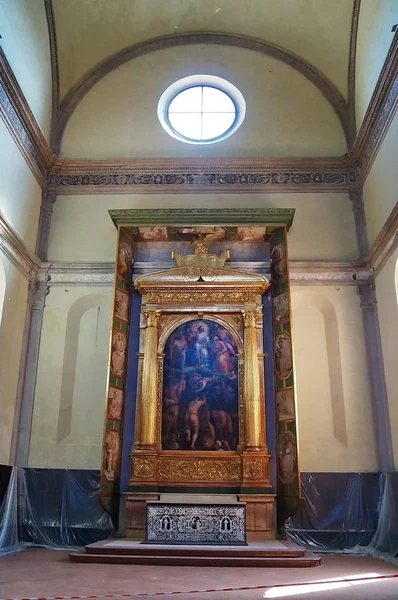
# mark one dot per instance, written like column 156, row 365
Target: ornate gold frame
column 201, row 287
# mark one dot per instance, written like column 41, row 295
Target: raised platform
column 270, row 553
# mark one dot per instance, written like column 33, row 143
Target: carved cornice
column 71, row 177
column 78, row 273
column 92, row 77
column 16, row 251
column 52, row 36
column 22, row 125
column 380, row 113
column 328, row 273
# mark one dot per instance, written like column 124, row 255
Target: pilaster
column 375, row 364
column 46, row 211
column 358, row 208
column 38, row 290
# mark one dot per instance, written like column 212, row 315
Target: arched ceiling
column 90, row 31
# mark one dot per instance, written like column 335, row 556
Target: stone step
column 195, row 560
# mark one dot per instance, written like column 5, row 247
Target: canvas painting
column 200, row 389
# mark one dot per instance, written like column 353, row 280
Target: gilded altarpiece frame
column 201, row 288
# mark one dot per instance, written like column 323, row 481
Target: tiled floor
column 43, row 573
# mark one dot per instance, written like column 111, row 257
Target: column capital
column 367, row 294
column 152, row 317
column 38, row 290
column 249, row 318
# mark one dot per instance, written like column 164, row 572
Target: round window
column 201, row 109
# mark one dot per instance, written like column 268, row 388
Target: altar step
column 268, row 554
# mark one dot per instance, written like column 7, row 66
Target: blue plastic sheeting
column 339, row 510
column 58, row 509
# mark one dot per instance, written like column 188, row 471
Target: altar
column 201, row 384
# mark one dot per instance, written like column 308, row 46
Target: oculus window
column 201, row 109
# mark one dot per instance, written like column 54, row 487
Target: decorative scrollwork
column 199, row 470
column 143, row 468
column 253, row 469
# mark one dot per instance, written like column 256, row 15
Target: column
column 253, row 441
column 374, row 356
column 149, row 381
column 358, row 208
column 38, row 291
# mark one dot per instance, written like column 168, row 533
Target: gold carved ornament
column 253, row 469
column 143, row 468
column 199, row 470
column 196, row 297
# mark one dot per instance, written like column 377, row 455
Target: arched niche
column 83, row 378
column 318, row 363
column 200, row 408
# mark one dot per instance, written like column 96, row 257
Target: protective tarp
column 339, row 511
column 57, row 509
column 9, row 539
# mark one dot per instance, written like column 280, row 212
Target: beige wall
column 323, row 227
column 286, row 115
column 71, row 380
column 20, row 194
column 376, row 18
column 333, row 397
column 387, row 293
column 26, row 46
column 11, row 333
column 380, row 189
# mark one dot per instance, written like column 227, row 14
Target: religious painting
column 283, row 355
column 287, row 457
column 125, row 256
column 111, row 454
column 115, row 403
column 279, row 270
column 250, row 234
column 210, row 234
column 122, row 302
column 285, row 405
column 200, row 388
column 280, row 305
column 153, row 234
column 118, row 358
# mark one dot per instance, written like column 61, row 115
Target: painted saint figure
column 192, row 420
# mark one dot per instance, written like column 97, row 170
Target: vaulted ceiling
column 90, row 31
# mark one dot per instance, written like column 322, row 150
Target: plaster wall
column 81, row 229
column 11, row 333
column 333, row 399
column 376, row 19
column 20, row 194
column 380, row 189
column 286, row 115
column 25, row 43
column 387, row 294
column 71, row 379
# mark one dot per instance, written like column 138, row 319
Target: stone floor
column 42, row 573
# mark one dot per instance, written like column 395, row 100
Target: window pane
column 215, row 100
column 215, row 124
column 189, row 100
column 186, row 124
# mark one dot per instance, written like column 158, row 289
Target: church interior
column 198, row 298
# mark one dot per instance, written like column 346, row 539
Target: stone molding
column 352, row 58
column 22, row 125
column 52, row 36
column 385, row 244
column 15, row 249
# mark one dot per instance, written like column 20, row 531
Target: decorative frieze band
column 106, row 179
column 16, row 251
